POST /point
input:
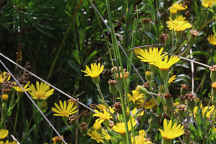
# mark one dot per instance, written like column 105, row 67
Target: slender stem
column 100, row 92
column 124, row 116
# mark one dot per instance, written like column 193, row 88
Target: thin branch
column 33, row 102
column 57, row 89
column 13, row 137
column 192, row 72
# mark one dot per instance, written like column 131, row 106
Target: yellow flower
column 4, row 76
column 97, row 124
column 95, row 135
column 65, row 109
column 207, row 111
column 171, row 131
column 104, row 113
column 136, row 97
column 105, row 134
column 135, row 112
column 140, row 139
column 178, row 24
column 4, row 97
column 150, row 103
column 212, row 39
column 8, row 142
column 177, row 7
column 41, row 92
column 208, row 3
column 120, row 126
column 171, row 79
column 166, row 62
column 56, row 139
column 94, row 71
column 150, row 55
column 19, row 89
column 213, row 85
column 3, row 133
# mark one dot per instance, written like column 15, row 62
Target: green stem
column 100, row 92
column 124, row 116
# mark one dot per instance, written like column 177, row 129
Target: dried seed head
column 167, row 95
column 163, row 37
column 184, row 86
column 93, row 106
column 212, row 68
column 117, row 106
column 194, row 32
column 146, row 85
column 112, row 82
column 83, row 126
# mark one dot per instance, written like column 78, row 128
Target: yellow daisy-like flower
column 56, row 139
column 4, row 76
column 105, row 134
column 208, row 3
column 120, row 127
column 166, row 62
column 65, row 108
column 207, row 111
column 212, row 39
column 171, row 131
column 150, row 103
column 172, row 79
column 97, row 124
column 41, row 91
column 177, row 7
column 4, row 97
column 3, row 133
column 178, row 24
column 94, row 71
column 150, row 55
column 95, row 135
column 103, row 113
column 8, row 142
column 140, row 139
column 19, row 89
column 136, row 96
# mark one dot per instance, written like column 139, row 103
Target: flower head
column 4, row 96
column 120, row 126
column 94, row 71
column 41, row 91
column 141, row 138
column 19, row 89
column 65, row 108
column 212, row 39
column 56, row 139
column 166, row 62
column 95, row 135
column 171, row 131
column 178, row 24
column 177, row 7
column 207, row 111
column 150, row 103
column 208, row 3
column 150, row 55
column 136, row 96
column 4, row 76
column 103, row 113
column 171, row 79
column 3, row 133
